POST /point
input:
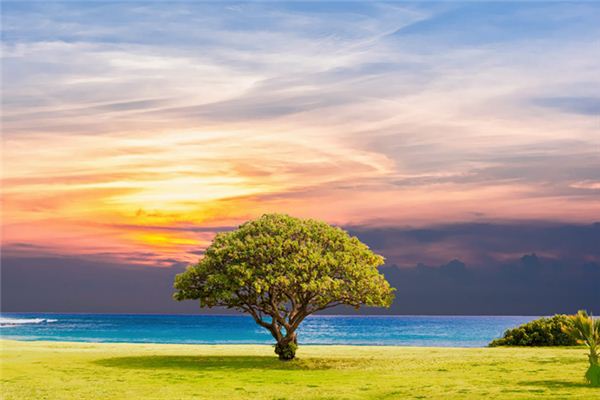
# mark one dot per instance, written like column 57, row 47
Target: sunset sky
column 133, row 131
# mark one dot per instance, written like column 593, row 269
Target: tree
column 583, row 328
column 281, row 269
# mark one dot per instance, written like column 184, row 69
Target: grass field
column 47, row 370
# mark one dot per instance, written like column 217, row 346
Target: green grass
column 46, row 370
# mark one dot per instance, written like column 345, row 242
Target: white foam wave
column 20, row 321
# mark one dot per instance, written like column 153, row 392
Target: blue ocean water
column 453, row 331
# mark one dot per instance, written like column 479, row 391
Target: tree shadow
column 556, row 384
column 205, row 363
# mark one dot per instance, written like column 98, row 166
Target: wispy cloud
column 578, row 105
column 149, row 117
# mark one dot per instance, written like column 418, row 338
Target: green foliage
column 584, row 329
column 287, row 351
column 281, row 269
column 541, row 332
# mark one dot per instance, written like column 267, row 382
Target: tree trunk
column 593, row 373
column 286, row 347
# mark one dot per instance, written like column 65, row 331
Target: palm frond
column 585, row 329
column 582, row 327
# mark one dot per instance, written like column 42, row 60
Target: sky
column 434, row 131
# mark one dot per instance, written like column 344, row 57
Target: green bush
column 540, row 332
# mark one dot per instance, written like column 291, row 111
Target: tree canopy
column 280, row 269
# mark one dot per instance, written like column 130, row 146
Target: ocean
column 452, row 331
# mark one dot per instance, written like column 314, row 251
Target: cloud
column 207, row 114
column 184, row 228
column 484, row 244
column 503, row 268
column 526, row 286
column 529, row 285
column 80, row 285
column 479, row 24
column 577, row 105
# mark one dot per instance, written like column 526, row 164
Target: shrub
column 540, row 332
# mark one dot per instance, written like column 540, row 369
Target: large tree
column 280, row 269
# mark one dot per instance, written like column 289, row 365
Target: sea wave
column 21, row 321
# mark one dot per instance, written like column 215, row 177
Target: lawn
column 48, row 370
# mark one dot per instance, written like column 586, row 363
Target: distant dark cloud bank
column 492, row 268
